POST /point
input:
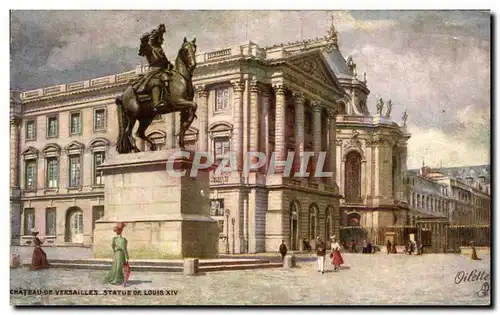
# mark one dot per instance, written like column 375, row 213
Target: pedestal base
column 174, row 239
column 166, row 217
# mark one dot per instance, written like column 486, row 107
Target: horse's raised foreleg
column 188, row 114
column 128, row 133
column 143, row 125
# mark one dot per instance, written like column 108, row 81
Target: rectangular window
column 100, row 119
column 74, row 171
column 75, row 123
column 98, row 160
column 30, row 130
column 52, row 127
column 50, row 221
column 221, row 148
column 52, row 172
column 29, row 220
column 30, row 171
column 222, row 100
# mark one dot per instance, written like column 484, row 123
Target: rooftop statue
column 380, row 106
column 165, row 89
column 389, row 109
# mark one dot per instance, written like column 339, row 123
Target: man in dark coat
column 283, row 250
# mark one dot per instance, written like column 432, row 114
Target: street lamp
column 233, row 221
column 227, row 212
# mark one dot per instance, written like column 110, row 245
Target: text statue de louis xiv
column 164, row 89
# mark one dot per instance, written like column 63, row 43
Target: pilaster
column 280, row 125
column 237, row 139
column 299, row 99
column 254, row 118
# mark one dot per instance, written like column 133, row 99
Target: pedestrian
column 474, row 254
column 393, row 248
column 39, row 259
column 409, row 247
column 283, row 250
column 369, row 248
column 320, row 254
column 353, row 247
column 120, row 256
column 337, row 259
column 365, row 247
column 389, row 247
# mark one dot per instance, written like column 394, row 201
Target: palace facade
column 295, row 97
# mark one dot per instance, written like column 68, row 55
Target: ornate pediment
column 30, row 153
column 353, row 142
column 52, row 149
column 315, row 66
column 99, row 144
column 74, row 147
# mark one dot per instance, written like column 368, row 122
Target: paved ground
column 365, row 279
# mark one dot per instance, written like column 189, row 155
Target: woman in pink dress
column 39, row 259
column 337, row 259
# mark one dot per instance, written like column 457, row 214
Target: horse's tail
column 123, row 142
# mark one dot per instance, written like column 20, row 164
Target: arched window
column 294, row 227
column 159, row 138
column 313, row 210
column 353, row 177
column 329, row 223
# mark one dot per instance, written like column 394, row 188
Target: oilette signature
column 475, row 276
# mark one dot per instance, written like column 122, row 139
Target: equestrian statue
column 164, row 89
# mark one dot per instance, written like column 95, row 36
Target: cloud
column 468, row 145
column 344, row 21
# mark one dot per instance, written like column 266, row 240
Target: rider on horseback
column 156, row 80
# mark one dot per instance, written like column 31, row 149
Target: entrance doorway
column 74, row 225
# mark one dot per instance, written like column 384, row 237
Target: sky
column 435, row 64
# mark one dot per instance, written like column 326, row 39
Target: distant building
column 464, row 199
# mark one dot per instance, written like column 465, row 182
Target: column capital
column 254, row 85
column 238, row 85
column 298, row 97
column 201, row 90
column 279, row 89
column 331, row 113
column 316, row 105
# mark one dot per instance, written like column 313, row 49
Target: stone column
column 298, row 98
column 203, row 117
column 316, row 140
column 280, row 125
column 237, row 139
column 14, row 151
column 264, row 126
column 254, row 118
column 332, row 147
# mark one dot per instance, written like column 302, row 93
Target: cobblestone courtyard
column 365, row 279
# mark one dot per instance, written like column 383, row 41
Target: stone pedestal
column 289, row 261
column 166, row 216
column 190, row 266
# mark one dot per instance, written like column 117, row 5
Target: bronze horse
column 131, row 108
